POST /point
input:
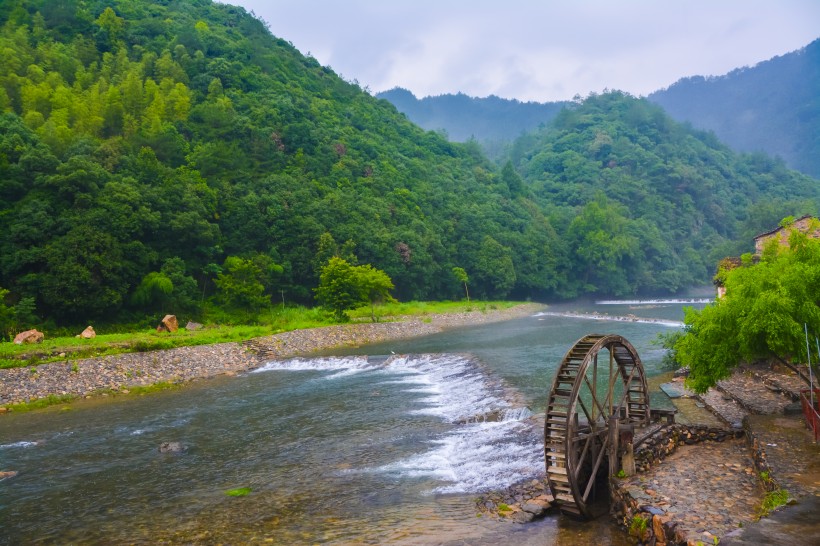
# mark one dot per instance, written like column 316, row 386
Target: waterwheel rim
column 585, row 395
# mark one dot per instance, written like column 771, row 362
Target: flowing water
column 388, row 443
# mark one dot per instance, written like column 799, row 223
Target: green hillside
column 175, row 156
column 646, row 204
column 772, row 107
column 150, row 142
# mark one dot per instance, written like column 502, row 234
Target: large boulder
column 88, row 333
column 168, row 324
column 29, row 336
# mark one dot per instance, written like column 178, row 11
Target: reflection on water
column 342, row 449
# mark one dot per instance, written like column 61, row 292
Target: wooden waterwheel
column 591, row 398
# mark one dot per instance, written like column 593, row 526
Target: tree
column 762, row 316
column 494, row 268
column 155, row 287
column 240, row 285
column 461, row 276
column 343, row 287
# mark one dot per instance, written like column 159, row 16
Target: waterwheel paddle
column 589, row 397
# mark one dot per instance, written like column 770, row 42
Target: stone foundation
column 631, row 507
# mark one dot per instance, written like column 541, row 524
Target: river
column 373, row 445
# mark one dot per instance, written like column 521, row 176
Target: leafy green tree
column 494, row 269
column 239, row 285
column 762, row 315
column 462, row 277
column 343, row 287
column 375, row 285
column 6, row 316
column 155, row 288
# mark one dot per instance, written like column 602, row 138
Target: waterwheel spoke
column 626, row 390
column 595, row 467
column 595, row 399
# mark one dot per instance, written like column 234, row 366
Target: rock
column 657, row 528
column 522, row 517
column 88, row 333
column 172, row 447
column 534, row 508
column 795, row 408
column 193, row 326
column 168, row 324
column 29, row 336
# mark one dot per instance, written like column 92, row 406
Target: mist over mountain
column 772, row 107
column 488, row 120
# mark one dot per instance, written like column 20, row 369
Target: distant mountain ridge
column 487, row 119
column 773, row 107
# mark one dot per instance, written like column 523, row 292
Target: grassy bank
column 276, row 321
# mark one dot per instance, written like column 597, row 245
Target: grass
column 55, row 349
column 637, row 526
column 40, row 403
column 773, row 500
column 422, row 308
column 238, row 492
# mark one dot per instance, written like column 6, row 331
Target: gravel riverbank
column 120, row 372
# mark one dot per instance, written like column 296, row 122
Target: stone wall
column 646, row 523
column 759, row 457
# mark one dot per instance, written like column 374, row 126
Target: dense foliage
column 644, row 203
column 344, row 287
column 174, row 156
column 154, row 155
column 773, row 107
column 765, row 313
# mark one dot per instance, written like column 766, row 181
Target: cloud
column 541, row 51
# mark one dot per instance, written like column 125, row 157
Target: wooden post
column 627, row 436
column 614, row 436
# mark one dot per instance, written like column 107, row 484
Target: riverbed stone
column 172, row 447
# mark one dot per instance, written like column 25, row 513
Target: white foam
column 18, row 444
column 612, row 318
column 476, row 457
column 457, row 388
column 654, row 302
column 482, row 454
column 341, row 365
column 489, row 447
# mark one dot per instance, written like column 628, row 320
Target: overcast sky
column 537, row 50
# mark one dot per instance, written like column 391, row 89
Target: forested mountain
column 644, row 203
column 148, row 142
column 772, row 107
column 491, row 120
column 164, row 155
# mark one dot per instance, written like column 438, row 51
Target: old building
column 805, row 224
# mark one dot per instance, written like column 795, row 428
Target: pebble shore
column 86, row 377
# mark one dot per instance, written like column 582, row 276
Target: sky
column 534, row 50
